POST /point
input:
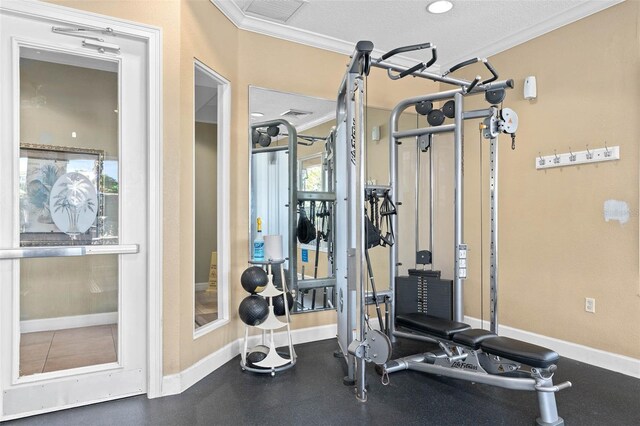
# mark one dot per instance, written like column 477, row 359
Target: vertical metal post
column 293, row 205
column 458, row 308
column 417, row 196
column 349, row 237
column 361, row 158
column 431, row 207
column 493, row 217
column 393, row 251
column 345, row 306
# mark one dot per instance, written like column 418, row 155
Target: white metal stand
column 273, row 362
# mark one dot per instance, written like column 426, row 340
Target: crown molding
column 274, row 29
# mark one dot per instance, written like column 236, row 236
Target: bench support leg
column 547, row 405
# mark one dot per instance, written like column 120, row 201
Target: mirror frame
column 223, row 191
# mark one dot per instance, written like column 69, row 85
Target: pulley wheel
column 435, row 117
column 449, row 109
column 424, row 107
column 264, row 140
column 273, row 131
column 494, row 97
column 255, row 136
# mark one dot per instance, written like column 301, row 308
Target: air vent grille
column 295, row 113
column 278, row 10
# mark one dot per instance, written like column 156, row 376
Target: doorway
column 77, row 259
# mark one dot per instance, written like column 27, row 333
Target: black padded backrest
column 522, row 352
column 430, row 325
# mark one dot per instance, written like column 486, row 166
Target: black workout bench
column 483, row 357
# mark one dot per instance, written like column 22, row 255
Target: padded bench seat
column 431, row 325
column 522, row 352
column 473, row 338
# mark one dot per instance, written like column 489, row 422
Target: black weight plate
column 424, row 107
column 494, row 97
column 265, row 140
column 435, row 117
column 449, row 109
column 255, row 136
column 273, row 131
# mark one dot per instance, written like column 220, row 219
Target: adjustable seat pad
column 473, row 338
column 522, row 352
column 431, row 325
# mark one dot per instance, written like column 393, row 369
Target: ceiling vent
column 279, row 11
column 295, row 113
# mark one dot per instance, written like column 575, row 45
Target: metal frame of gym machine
column 358, row 344
column 350, row 203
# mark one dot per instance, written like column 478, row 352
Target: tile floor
column 46, row 351
column 206, row 309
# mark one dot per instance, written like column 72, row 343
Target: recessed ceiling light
column 440, row 6
column 257, row 114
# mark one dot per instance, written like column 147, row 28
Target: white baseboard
column 202, row 286
column 610, row 361
column 61, row 323
column 178, row 383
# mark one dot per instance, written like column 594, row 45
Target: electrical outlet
column 590, row 305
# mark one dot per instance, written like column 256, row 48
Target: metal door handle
column 66, row 251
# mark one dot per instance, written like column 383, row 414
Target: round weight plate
column 449, row 109
column 265, row 140
column 424, row 107
column 255, row 136
column 494, row 97
column 435, row 117
column 273, row 131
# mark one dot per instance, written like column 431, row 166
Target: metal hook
column 607, row 153
column 572, row 156
column 589, row 153
column 556, row 160
column 542, row 161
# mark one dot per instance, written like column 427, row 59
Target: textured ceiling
column 273, row 104
column 471, row 28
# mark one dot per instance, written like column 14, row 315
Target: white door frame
column 153, row 37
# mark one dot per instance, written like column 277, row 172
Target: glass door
column 72, row 239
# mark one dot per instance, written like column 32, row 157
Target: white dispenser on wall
column 530, row 88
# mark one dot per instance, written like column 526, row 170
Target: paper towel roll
column 273, row 247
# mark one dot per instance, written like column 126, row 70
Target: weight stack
column 425, row 292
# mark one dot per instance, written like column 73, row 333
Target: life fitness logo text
column 464, row 365
column 353, row 142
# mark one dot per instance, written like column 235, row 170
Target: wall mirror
column 210, row 141
column 291, row 141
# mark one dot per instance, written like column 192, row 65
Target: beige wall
column 555, row 246
column 206, row 204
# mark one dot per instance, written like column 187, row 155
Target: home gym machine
column 464, row 353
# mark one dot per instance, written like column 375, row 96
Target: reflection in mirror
column 206, row 95
column 303, row 215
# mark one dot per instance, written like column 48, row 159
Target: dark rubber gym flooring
column 312, row 393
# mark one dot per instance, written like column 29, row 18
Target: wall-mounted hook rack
column 580, row 157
